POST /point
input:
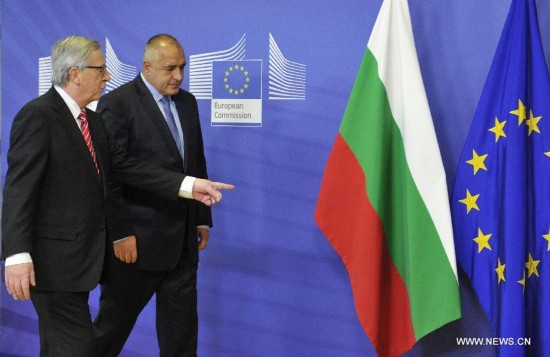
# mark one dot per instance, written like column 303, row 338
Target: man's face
column 165, row 73
column 94, row 79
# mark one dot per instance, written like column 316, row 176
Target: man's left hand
column 126, row 250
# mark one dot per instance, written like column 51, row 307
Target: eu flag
column 237, row 79
column 501, row 197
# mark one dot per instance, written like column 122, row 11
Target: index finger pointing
column 223, row 186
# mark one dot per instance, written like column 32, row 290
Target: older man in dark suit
column 156, row 121
column 56, row 215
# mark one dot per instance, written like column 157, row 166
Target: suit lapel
column 68, row 124
column 155, row 115
column 182, row 113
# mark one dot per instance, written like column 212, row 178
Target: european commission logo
column 237, row 79
column 233, row 83
column 237, row 93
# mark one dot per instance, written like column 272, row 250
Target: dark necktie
column 171, row 122
column 87, row 136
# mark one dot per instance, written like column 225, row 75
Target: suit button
column 103, row 229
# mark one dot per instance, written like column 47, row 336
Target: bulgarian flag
column 384, row 203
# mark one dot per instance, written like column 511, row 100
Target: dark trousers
column 126, row 294
column 65, row 323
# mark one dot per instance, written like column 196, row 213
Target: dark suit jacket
column 134, row 120
column 55, row 205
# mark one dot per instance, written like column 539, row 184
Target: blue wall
column 269, row 282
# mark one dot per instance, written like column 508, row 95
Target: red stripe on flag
column 354, row 229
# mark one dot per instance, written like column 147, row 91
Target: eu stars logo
column 237, row 93
column 236, row 80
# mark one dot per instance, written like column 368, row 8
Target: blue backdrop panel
column 269, row 282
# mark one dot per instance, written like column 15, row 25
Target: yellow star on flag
column 470, row 201
column 547, row 237
column 498, row 129
column 477, row 162
column 532, row 123
column 482, row 241
column 547, row 153
column 531, row 266
column 520, row 112
column 500, row 271
column 522, row 281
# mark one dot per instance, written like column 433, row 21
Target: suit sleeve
column 27, row 163
column 119, row 221
column 126, row 170
column 129, row 171
column 204, row 213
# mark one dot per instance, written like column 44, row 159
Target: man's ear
column 74, row 75
column 146, row 66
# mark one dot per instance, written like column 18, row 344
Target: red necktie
column 87, row 137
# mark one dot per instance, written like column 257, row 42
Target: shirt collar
column 156, row 95
column 71, row 103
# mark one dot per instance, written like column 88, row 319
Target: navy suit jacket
column 161, row 226
column 55, row 205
